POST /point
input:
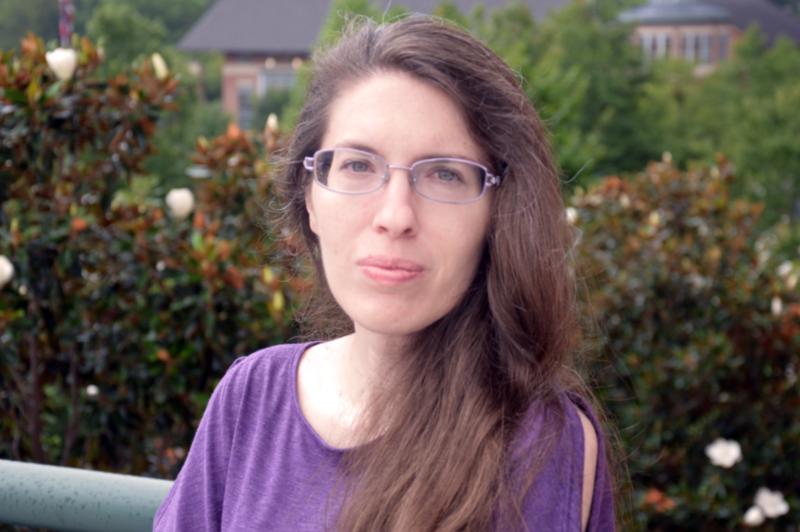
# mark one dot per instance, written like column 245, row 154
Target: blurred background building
column 265, row 42
column 704, row 31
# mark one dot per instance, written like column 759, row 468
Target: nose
column 396, row 214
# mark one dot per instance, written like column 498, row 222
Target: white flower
column 180, row 202
column 6, row 271
column 791, row 281
column 771, row 502
column 92, row 390
column 62, row 61
column 159, row 66
column 654, row 219
column 724, row 453
column 784, row 269
column 272, row 123
column 776, row 306
column 753, row 517
column 572, row 215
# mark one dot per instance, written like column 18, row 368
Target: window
column 245, row 103
column 662, row 44
column 647, row 45
column 689, row 46
column 278, row 78
column 724, row 45
column 704, row 48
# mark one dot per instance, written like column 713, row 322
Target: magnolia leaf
column 14, row 95
column 53, row 90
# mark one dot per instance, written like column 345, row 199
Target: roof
column 291, row 28
column 772, row 20
column 675, row 12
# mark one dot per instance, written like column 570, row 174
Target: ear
column 312, row 215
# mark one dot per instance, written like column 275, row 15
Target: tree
column 176, row 16
column 124, row 34
column 340, row 14
column 18, row 17
column 747, row 110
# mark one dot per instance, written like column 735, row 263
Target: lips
column 390, row 270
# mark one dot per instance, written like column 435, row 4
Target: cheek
column 464, row 255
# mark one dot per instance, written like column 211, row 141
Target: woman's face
column 394, row 260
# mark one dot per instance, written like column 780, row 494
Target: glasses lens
column 349, row 171
column 449, row 180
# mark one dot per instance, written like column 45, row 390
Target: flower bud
column 159, row 66
column 572, row 215
column 6, row 271
column 62, row 61
column 180, row 202
column 272, row 123
column 776, row 306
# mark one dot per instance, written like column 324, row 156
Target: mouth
column 390, row 270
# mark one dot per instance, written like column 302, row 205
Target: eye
column 448, row 175
column 357, row 166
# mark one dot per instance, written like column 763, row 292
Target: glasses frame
column 489, row 179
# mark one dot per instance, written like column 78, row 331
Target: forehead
column 401, row 117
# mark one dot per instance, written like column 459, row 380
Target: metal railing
column 64, row 498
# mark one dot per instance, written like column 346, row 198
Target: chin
column 389, row 327
column 390, row 322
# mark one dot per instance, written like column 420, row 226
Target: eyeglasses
column 443, row 179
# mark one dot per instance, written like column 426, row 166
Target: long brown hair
column 449, row 420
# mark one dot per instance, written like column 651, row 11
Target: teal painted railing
column 63, row 498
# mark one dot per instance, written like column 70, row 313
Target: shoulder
column 563, row 443
column 267, row 358
column 597, row 500
column 266, row 371
column 263, row 364
column 589, row 466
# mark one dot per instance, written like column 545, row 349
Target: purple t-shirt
column 257, row 464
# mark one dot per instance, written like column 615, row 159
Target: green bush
column 120, row 317
column 701, row 318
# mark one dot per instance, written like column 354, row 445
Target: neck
column 365, row 362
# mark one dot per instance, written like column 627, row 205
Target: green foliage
column 747, row 109
column 18, row 17
column 120, row 319
column 341, row 13
column 171, row 19
column 124, row 34
column 176, row 16
column 700, row 316
column 582, row 75
column 197, row 115
column 275, row 100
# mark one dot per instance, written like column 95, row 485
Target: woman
column 421, row 180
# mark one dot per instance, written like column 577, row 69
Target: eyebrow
column 365, row 147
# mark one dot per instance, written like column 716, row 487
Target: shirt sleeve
column 194, row 503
